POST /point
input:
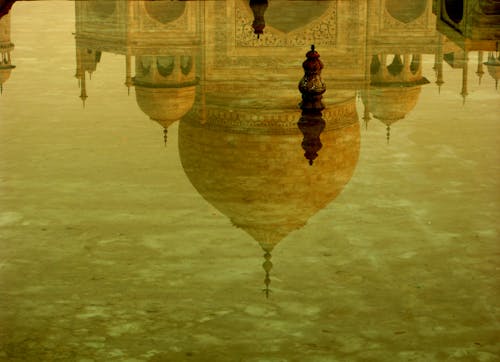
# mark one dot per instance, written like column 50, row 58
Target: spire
column 267, row 265
column 128, row 71
column 311, row 124
column 465, row 69
column 439, row 63
column 366, row 116
column 258, row 7
column 480, row 70
column 83, row 89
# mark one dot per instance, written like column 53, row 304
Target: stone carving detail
column 321, row 32
column 342, row 115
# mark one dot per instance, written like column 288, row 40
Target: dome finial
column 439, row 87
column 165, row 133
column 312, row 88
column 311, row 124
column 366, row 116
column 83, row 89
column 311, row 85
column 267, row 265
column 258, row 7
column 388, row 134
column 480, row 71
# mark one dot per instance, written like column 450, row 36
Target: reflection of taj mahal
column 236, row 96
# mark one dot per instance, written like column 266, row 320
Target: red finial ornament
column 258, row 7
column 311, row 124
column 311, row 86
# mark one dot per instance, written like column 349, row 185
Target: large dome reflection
column 259, row 178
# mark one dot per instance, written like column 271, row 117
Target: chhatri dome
column 390, row 104
column 493, row 66
column 165, row 87
column 394, row 87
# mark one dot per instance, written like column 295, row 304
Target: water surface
column 157, row 203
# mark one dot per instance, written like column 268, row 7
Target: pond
column 167, row 194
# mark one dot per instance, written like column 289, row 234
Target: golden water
column 118, row 247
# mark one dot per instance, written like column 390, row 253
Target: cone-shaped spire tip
column 267, row 265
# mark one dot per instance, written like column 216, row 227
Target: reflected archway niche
column 287, row 16
column 165, row 11
column 406, row 11
column 102, row 9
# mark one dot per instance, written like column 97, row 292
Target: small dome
column 390, row 104
column 165, row 105
column 5, row 74
column 494, row 70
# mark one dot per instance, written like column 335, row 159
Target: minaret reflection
column 6, row 47
column 86, row 60
column 469, row 27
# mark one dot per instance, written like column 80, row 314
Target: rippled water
column 157, row 201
